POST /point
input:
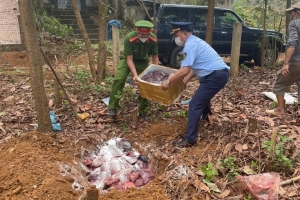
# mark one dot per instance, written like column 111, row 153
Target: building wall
column 9, row 22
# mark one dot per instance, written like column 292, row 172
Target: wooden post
column 116, row 48
column 92, row 193
column 235, row 48
column 57, row 93
column 134, row 115
column 273, row 140
column 252, row 125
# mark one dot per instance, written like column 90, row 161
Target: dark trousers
column 199, row 106
column 119, row 83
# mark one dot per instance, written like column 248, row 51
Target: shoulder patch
column 132, row 39
column 153, row 39
column 184, row 56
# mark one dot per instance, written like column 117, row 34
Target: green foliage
column 254, row 165
column 168, row 114
column 109, row 80
column 13, row 80
column 105, row 87
column 228, row 166
column 52, row 25
column 66, row 104
column 195, row 2
column 253, row 13
column 243, row 67
column 279, row 161
column 273, row 105
column 56, row 37
column 124, row 30
column 129, row 94
column 20, row 71
column 209, row 171
column 160, row 107
column 125, row 126
column 119, row 96
column 249, row 197
column 182, row 113
column 5, row 48
column 83, row 76
column 76, row 47
column 98, row 88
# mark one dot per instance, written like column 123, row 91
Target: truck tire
column 176, row 57
column 161, row 60
column 270, row 56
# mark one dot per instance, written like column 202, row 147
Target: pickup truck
column 170, row 53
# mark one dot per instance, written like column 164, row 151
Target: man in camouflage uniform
column 138, row 45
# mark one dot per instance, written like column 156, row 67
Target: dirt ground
column 35, row 164
column 49, row 166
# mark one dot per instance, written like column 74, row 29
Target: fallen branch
column 235, row 197
column 289, row 181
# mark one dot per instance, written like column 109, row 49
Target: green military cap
column 144, row 24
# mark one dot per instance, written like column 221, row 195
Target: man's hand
column 185, row 82
column 135, row 78
column 285, row 70
column 164, row 86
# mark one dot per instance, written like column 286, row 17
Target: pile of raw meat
column 117, row 165
column 155, row 76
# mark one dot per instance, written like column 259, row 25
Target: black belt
column 216, row 71
column 220, row 70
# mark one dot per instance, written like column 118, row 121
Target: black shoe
column 143, row 116
column 184, row 143
column 113, row 113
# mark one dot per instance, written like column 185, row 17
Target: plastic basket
column 154, row 91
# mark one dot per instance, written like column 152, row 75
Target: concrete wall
column 9, row 22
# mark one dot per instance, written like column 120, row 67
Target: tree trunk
column 287, row 22
column 210, row 22
column 154, row 17
column 85, row 38
column 119, row 10
column 287, row 19
column 263, row 40
column 36, row 62
column 102, row 10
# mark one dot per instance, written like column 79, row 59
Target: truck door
column 169, row 14
column 226, row 19
column 199, row 19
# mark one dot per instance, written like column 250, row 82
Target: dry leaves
column 239, row 148
column 9, row 98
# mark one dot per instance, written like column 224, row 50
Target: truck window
column 173, row 14
column 199, row 17
column 227, row 19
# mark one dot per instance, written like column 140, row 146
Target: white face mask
column 178, row 41
column 143, row 40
